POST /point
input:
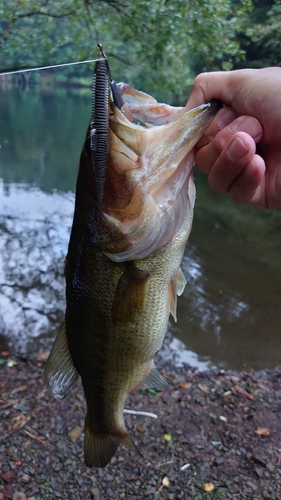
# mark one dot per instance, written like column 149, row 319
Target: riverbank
column 217, row 436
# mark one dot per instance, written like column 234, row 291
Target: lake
column 230, row 312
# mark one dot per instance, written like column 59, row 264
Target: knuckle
column 223, row 138
column 200, row 83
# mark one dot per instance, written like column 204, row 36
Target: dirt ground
column 217, row 436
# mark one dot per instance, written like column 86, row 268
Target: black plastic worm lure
column 99, row 137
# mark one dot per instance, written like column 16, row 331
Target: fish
column 123, row 275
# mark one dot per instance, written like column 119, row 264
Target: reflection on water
column 231, row 306
column 34, row 231
column 229, row 314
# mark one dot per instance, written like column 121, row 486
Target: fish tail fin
column 99, row 447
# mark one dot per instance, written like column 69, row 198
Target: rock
column 219, row 461
column 252, row 485
column 19, row 495
column 95, row 493
column 259, row 471
column 25, row 478
column 270, row 467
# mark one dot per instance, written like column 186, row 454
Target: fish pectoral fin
column 60, row 372
column 129, row 296
column 154, row 380
column 99, row 447
column 176, row 286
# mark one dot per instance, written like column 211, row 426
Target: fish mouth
column 149, row 189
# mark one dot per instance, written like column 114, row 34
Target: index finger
column 221, row 85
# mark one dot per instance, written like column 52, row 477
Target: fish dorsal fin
column 177, row 286
column 60, row 372
column 154, row 379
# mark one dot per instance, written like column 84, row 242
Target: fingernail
column 237, row 149
column 250, row 125
column 225, row 116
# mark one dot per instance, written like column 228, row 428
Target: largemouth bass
column 123, row 270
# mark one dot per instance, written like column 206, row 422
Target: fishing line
column 24, row 70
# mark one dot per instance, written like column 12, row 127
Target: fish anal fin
column 173, row 299
column 60, row 372
column 129, row 296
column 99, row 447
column 154, row 380
column 176, row 287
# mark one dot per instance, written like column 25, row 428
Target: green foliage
column 153, row 44
column 267, row 36
column 261, row 37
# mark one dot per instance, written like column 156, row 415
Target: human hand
column 241, row 150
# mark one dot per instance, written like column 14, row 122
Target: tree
column 260, row 37
column 156, row 44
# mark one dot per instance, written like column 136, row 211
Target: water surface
column 229, row 314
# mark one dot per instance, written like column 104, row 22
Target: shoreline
column 217, row 436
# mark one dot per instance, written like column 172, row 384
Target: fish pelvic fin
column 60, row 372
column 100, row 447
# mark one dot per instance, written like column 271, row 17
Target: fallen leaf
column 262, row 431
column 185, row 385
column 8, row 476
column 11, row 363
column 227, row 393
column 167, row 437
column 19, row 389
column 237, row 388
column 21, row 407
column 5, row 353
column 42, row 356
column 204, row 388
column 208, row 487
column 75, row 434
column 165, row 481
column 153, row 392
